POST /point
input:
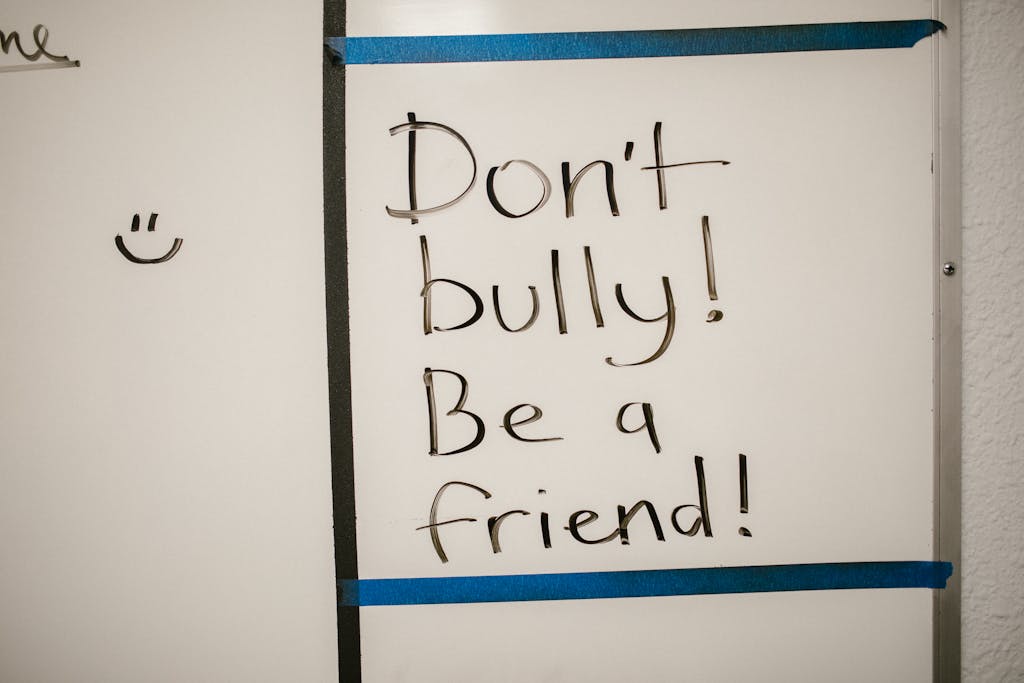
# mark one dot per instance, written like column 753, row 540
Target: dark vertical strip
column 338, row 376
column 702, row 494
column 658, row 162
column 566, row 185
column 744, row 497
column 412, row 168
column 556, row 282
column 425, row 260
column 428, row 383
column 709, row 258
column 592, row 285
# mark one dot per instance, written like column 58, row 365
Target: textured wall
column 993, row 364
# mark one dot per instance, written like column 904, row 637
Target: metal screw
column 948, row 268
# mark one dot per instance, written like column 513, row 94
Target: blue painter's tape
column 517, row 47
column 646, row 583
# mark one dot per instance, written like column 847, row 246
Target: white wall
column 993, row 364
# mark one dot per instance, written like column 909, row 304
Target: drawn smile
column 119, row 243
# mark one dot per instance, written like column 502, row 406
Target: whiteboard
column 165, row 498
column 725, row 364
column 183, row 389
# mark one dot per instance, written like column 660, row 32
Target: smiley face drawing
column 119, row 242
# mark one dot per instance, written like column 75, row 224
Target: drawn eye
column 119, row 242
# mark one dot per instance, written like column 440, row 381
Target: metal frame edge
column 948, row 343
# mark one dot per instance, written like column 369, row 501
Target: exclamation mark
column 744, row 500
column 714, row 315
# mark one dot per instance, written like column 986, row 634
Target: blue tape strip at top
column 647, row 583
column 516, row 47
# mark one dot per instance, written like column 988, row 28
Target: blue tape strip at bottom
column 644, row 583
column 517, row 47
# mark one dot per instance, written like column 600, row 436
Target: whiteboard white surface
column 165, row 509
column 820, row 371
column 797, row 342
column 766, row 637
column 456, row 17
